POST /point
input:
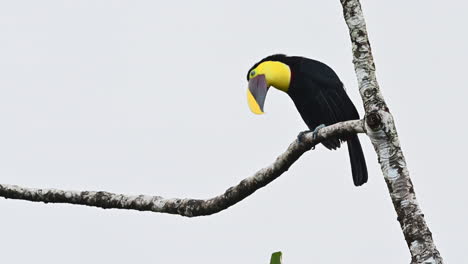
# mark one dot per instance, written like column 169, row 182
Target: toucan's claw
column 301, row 135
column 316, row 130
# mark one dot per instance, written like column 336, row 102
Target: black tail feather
column 358, row 162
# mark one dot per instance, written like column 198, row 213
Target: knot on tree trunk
column 374, row 120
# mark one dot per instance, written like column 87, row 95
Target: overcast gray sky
column 149, row 97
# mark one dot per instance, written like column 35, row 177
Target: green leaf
column 276, row 258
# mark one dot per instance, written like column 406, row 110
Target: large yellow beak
column 256, row 94
column 253, row 105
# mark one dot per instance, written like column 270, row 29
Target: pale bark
column 379, row 126
column 186, row 207
column 381, row 129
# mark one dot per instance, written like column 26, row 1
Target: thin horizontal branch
column 186, row 207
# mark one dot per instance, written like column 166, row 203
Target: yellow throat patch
column 277, row 74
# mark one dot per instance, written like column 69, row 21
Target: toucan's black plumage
column 320, row 98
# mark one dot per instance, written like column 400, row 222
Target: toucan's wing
column 336, row 103
column 329, row 91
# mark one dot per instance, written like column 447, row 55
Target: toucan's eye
column 252, row 73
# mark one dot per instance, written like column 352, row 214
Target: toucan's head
column 271, row 71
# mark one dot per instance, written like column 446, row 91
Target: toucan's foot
column 301, row 135
column 316, row 130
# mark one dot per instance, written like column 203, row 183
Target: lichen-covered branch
column 186, row 207
column 382, row 132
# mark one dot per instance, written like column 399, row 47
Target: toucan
column 318, row 94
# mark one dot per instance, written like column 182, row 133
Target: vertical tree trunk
column 381, row 129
